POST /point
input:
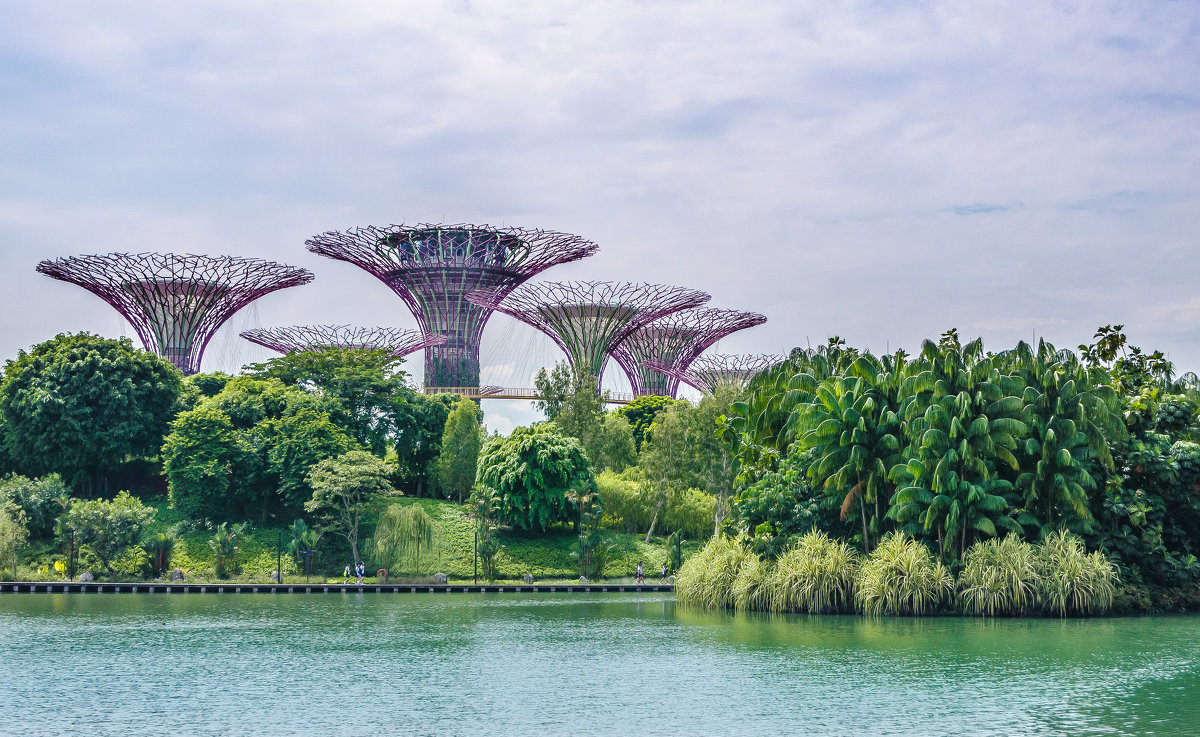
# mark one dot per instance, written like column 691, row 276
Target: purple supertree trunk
column 710, row 372
column 175, row 302
column 675, row 340
column 301, row 338
column 432, row 268
column 589, row 319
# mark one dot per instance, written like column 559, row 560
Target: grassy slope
column 545, row 555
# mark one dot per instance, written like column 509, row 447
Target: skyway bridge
column 502, row 392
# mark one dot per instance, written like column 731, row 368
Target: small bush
column 815, row 575
column 1074, row 582
column 901, row 577
column 691, row 511
column 1000, row 577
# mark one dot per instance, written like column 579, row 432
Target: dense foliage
column 532, row 470
column 956, row 445
column 84, row 406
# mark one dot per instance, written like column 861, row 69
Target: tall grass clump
column 750, row 589
column 815, row 575
column 707, row 578
column 1074, row 582
column 1000, row 577
column 901, row 577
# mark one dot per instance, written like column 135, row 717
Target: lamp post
column 279, row 559
column 476, row 555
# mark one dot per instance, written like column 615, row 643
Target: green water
column 602, row 664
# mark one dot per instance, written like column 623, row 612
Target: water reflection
column 590, row 664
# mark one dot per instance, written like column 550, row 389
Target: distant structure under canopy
column 708, row 373
column 302, row 338
column 433, row 268
column 589, row 319
column 675, row 340
column 175, row 302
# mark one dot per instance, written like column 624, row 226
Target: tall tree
column 81, row 406
column 345, row 490
column 532, row 470
column 461, row 441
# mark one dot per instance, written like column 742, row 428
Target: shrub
column 707, row 578
column 41, row 499
column 815, row 575
column 901, row 577
column 13, row 537
column 403, row 534
column 1000, row 577
column 1074, row 582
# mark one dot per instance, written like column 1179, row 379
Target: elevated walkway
column 502, row 392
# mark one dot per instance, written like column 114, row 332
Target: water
column 601, row 664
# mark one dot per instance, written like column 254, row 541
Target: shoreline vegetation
column 1029, row 482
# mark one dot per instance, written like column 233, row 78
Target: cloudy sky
column 877, row 170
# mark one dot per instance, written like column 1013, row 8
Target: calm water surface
column 602, row 664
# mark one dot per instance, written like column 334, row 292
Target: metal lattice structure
column 175, row 302
column 589, row 319
column 433, row 268
column 675, row 340
column 707, row 373
column 301, row 338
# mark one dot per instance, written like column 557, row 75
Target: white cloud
column 878, row 171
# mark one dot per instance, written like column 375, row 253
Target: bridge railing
column 503, row 392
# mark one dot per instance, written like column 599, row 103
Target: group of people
column 359, row 571
column 641, row 579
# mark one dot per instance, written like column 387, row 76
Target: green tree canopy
column 641, row 413
column 108, row 526
column 461, row 442
column 346, row 489
column 82, row 406
column 532, row 470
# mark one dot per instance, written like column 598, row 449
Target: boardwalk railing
column 64, row 587
column 502, row 392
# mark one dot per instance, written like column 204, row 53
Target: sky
column 880, row 171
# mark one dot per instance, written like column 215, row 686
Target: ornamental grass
column 901, row 577
column 707, row 578
column 1073, row 581
column 750, row 589
column 816, row 575
column 1000, row 577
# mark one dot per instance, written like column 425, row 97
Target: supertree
column 709, row 372
column 301, row 338
column 175, row 302
column 433, row 267
column 675, row 340
column 589, row 319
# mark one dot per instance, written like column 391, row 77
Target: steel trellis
column 709, row 372
column 675, row 340
column 301, row 338
column 433, row 267
column 588, row 319
column 175, row 302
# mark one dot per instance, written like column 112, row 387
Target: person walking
column 347, row 580
column 664, row 572
column 640, row 580
column 361, row 572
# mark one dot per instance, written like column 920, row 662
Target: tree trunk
column 654, row 521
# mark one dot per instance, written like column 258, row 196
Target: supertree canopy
column 709, row 372
column 675, row 340
column 175, row 302
column 433, row 268
column 302, row 338
column 589, row 319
